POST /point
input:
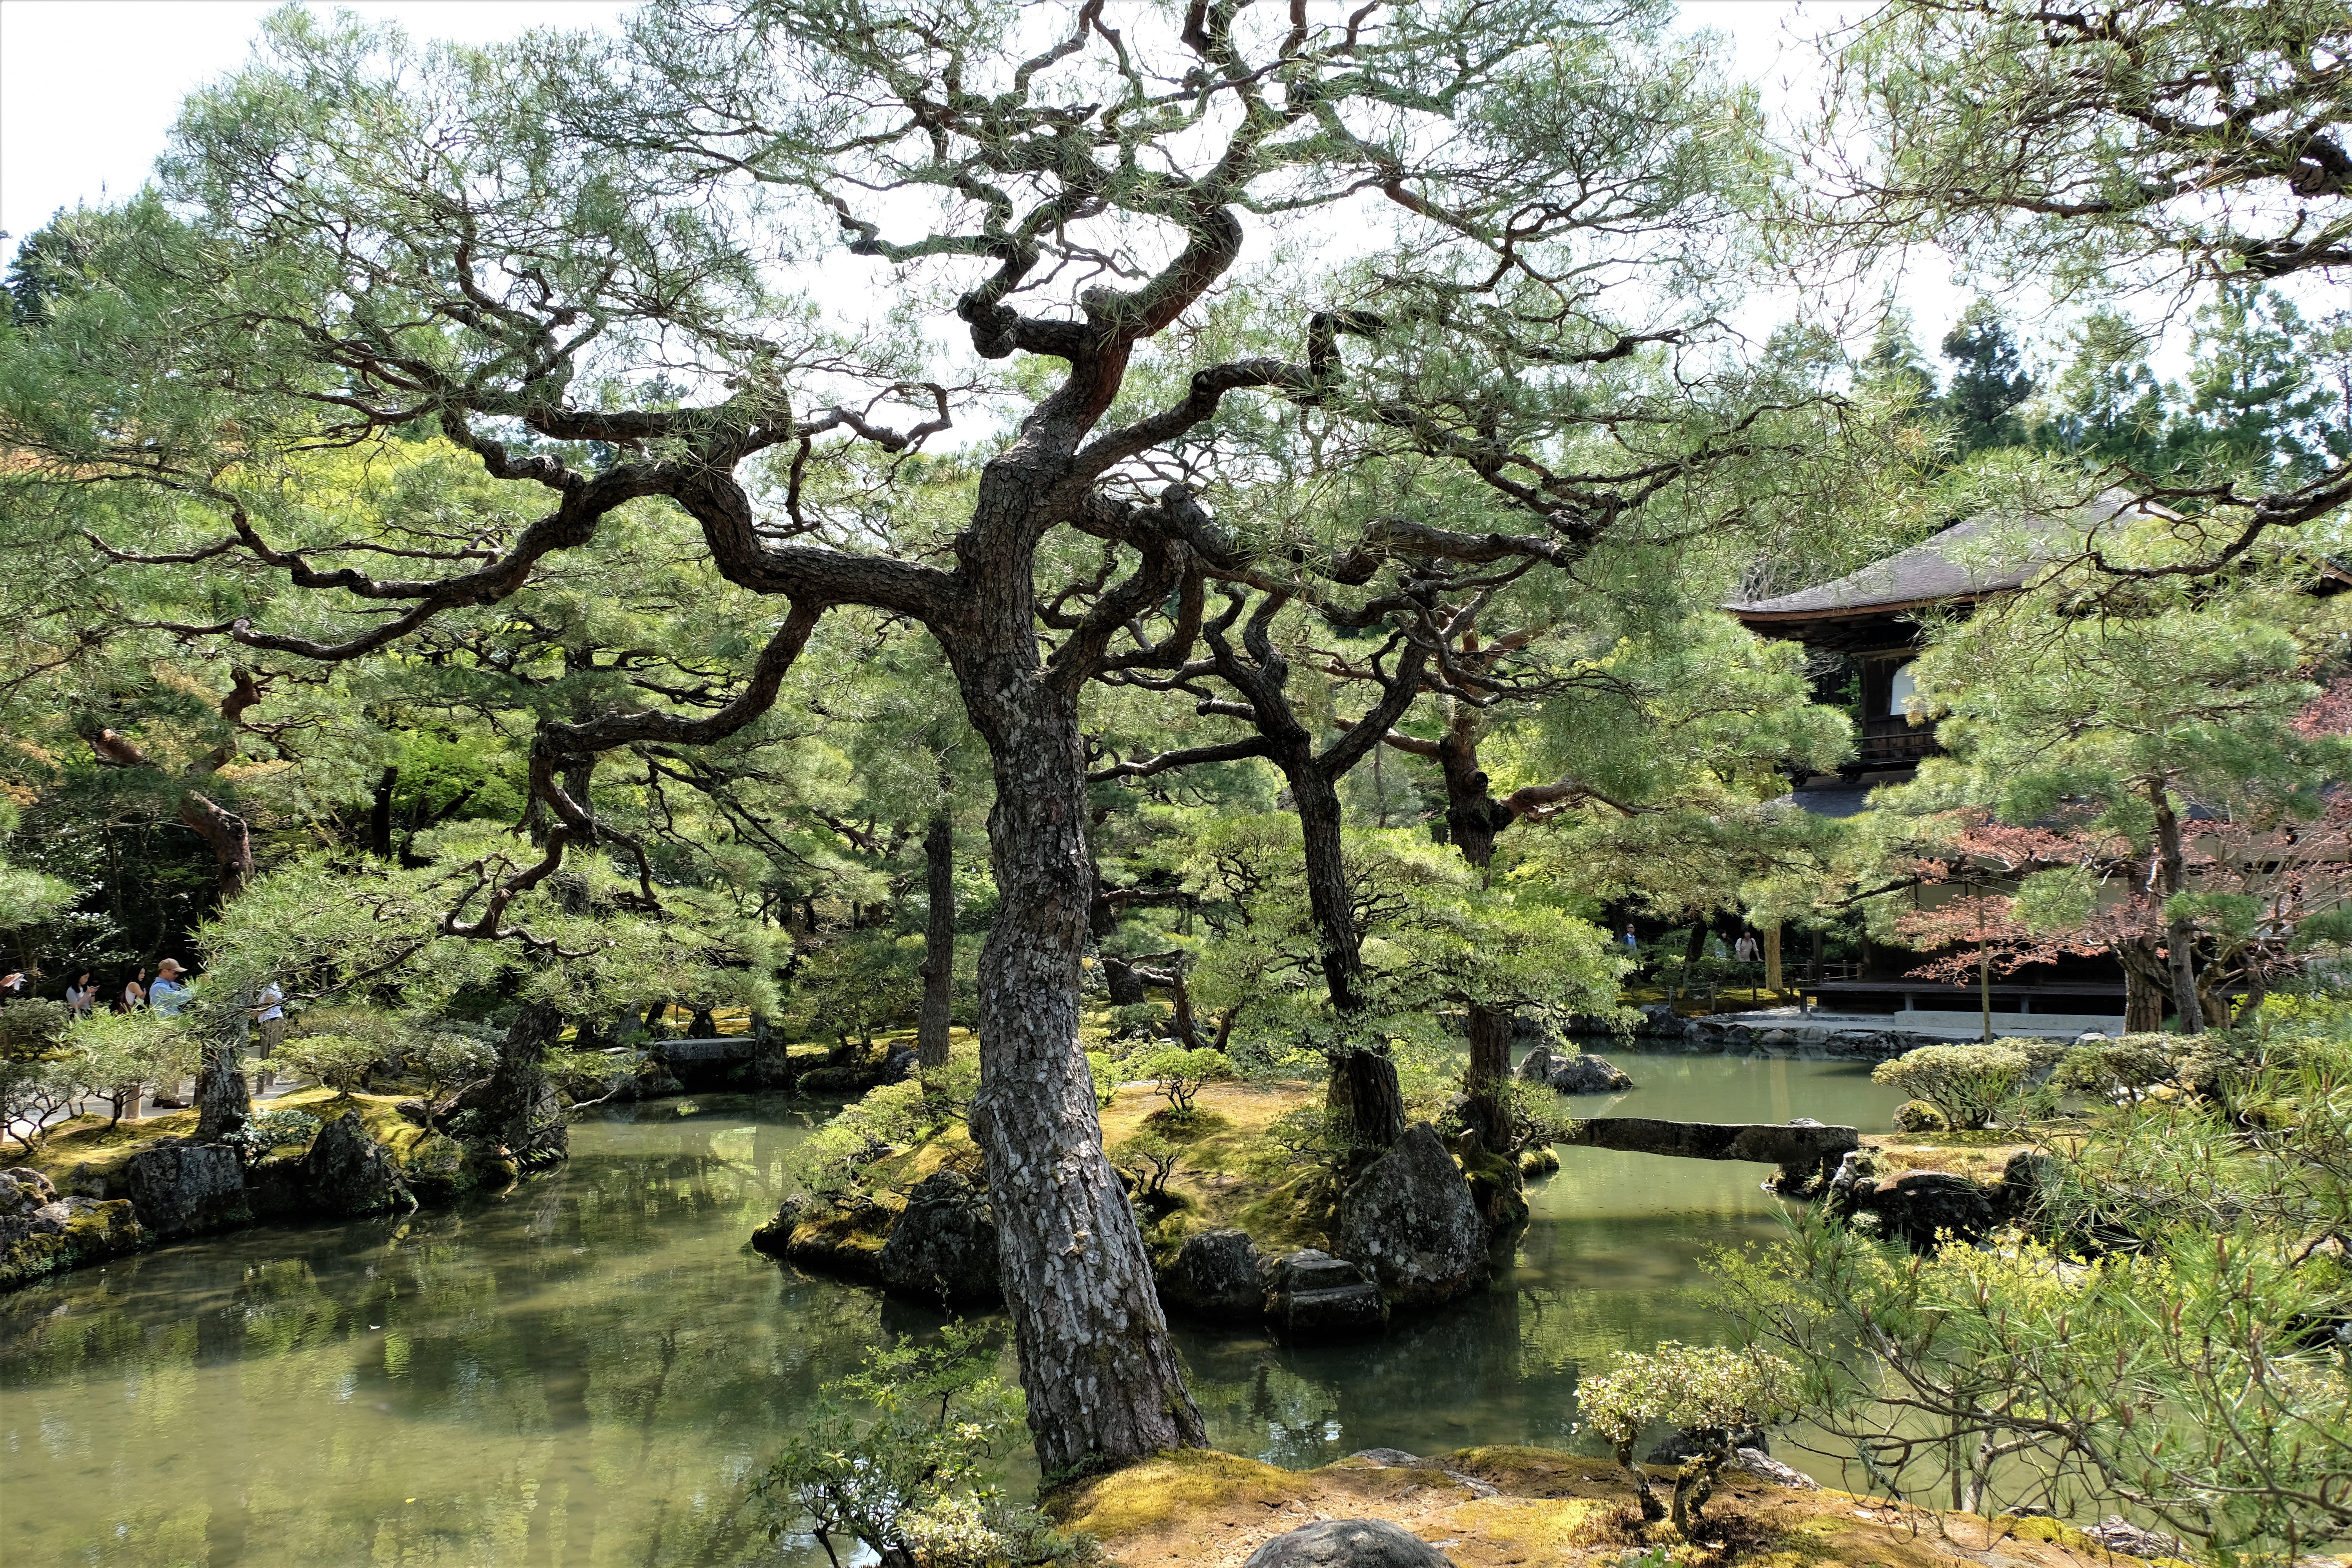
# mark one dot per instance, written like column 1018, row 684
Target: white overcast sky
column 88, row 88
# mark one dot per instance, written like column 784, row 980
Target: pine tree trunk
column 1488, row 1076
column 2179, row 935
column 515, row 1109
column 1473, row 817
column 379, row 815
column 1367, row 1099
column 223, row 1103
column 938, row 941
column 2143, row 987
column 1772, row 974
column 1102, row 1378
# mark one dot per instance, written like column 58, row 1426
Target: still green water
column 590, row 1370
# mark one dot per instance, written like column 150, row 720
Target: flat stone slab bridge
column 1804, row 1149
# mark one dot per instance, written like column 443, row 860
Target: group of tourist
column 166, row 995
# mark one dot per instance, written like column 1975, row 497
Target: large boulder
column 1572, row 1072
column 348, row 1172
column 1411, row 1219
column 1588, row 1074
column 1310, row 1293
column 1922, row 1207
column 67, row 1232
column 23, row 1190
column 1348, row 1543
column 188, row 1189
column 944, row 1245
column 1217, row 1274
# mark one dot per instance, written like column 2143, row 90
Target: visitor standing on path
column 1747, row 950
column 165, row 999
column 270, row 1017
column 81, row 995
column 169, row 992
column 134, row 993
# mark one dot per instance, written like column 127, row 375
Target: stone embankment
column 1405, row 1234
column 1779, row 1033
column 94, row 1192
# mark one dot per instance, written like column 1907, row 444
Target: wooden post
column 1772, row 958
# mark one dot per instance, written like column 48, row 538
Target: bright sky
column 89, row 88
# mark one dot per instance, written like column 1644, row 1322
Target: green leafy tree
column 2154, row 148
column 897, row 1457
column 1708, row 1392
column 520, row 251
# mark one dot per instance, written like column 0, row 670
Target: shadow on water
column 593, row 1367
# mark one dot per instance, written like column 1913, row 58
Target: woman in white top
column 134, row 994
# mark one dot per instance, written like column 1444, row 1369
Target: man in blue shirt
column 169, row 992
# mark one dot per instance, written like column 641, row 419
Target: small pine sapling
column 1706, row 1390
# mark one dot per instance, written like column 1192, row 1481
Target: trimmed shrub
column 1966, row 1083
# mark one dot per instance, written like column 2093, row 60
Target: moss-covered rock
column 67, row 1234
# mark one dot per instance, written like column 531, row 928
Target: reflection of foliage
column 904, row 1472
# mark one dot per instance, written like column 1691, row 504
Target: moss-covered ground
column 1224, row 1176
column 87, row 1154
column 1208, row 1510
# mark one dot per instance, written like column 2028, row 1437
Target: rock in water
column 65, row 1234
column 1410, row 1218
column 187, row 1189
column 945, row 1244
column 1538, row 1064
column 1315, row 1293
column 1581, row 1074
column 347, row 1172
column 1218, row 1274
column 1588, row 1074
column 1348, row 1543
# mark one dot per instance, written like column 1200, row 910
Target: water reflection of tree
column 570, row 1373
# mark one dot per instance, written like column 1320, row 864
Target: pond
column 591, row 1369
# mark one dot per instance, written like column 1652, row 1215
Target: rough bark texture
column 938, row 941
column 2144, row 986
column 514, row 1108
column 1368, row 1100
column 2181, row 935
column 1103, row 1380
column 380, row 815
column 221, row 1101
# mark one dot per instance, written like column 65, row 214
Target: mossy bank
column 1509, row 1506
